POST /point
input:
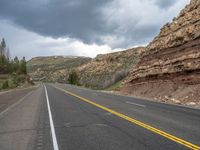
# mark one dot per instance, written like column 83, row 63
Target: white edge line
column 135, row 104
column 55, row 144
column 4, row 112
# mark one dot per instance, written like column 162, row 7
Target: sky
column 82, row 27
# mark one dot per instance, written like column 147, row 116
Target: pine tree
column 4, row 60
column 16, row 65
column 23, row 69
column 3, row 47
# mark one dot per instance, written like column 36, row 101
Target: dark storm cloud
column 74, row 18
column 90, row 21
column 165, row 3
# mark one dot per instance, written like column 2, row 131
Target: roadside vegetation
column 115, row 87
column 73, row 78
column 107, row 69
column 13, row 72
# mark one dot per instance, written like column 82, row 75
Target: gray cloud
column 125, row 22
column 74, row 18
column 165, row 3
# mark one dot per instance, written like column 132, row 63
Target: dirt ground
column 174, row 91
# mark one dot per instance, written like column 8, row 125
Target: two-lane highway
column 65, row 117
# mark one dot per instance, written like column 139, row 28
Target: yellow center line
column 134, row 121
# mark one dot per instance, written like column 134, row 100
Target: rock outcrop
column 107, row 69
column 172, row 59
column 184, row 28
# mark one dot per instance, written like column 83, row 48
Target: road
column 65, row 117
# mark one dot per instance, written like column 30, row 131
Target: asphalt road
column 64, row 117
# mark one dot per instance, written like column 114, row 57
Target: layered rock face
column 171, row 61
column 168, row 63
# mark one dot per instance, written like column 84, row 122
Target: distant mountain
column 53, row 68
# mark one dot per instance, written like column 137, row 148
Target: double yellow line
column 134, row 121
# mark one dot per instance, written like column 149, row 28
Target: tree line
column 8, row 65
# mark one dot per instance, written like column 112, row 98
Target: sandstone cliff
column 169, row 69
column 182, row 29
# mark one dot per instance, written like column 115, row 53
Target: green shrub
column 17, row 79
column 5, row 85
column 73, row 78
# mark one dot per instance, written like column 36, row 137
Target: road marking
column 135, row 104
column 55, row 144
column 134, row 121
column 3, row 113
column 107, row 113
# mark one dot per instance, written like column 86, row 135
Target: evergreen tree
column 23, row 69
column 4, row 61
column 2, row 47
column 10, row 66
column 16, row 65
column 15, row 68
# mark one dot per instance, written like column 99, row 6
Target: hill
column 53, row 68
column 169, row 69
column 107, row 69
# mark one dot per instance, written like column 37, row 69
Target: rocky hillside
column 53, row 68
column 169, row 69
column 107, row 69
column 182, row 29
